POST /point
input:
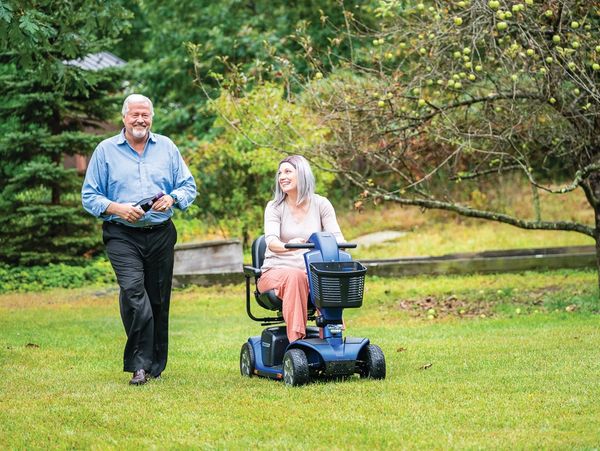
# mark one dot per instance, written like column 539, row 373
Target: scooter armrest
column 251, row 271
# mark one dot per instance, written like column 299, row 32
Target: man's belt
column 145, row 228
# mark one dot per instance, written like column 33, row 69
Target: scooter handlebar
column 311, row 245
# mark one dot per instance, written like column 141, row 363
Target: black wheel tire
column 295, row 368
column 247, row 361
column 373, row 366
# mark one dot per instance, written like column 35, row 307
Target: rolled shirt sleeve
column 93, row 191
column 185, row 186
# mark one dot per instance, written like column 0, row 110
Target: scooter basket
column 337, row 284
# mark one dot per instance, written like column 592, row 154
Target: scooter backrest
column 259, row 246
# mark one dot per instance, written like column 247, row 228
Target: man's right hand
column 128, row 212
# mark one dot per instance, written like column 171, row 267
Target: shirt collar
column 122, row 140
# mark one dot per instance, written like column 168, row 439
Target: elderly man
column 133, row 183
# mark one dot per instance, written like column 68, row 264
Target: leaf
column 6, row 13
column 27, row 26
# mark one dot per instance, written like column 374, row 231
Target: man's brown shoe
column 139, row 378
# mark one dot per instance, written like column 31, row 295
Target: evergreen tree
column 47, row 107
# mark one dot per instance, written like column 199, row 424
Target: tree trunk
column 591, row 188
column 56, row 192
column 597, row 238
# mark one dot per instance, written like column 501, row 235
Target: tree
column 442, row 99
column 211, row 43
column 226, row 35
column 46, row 107
column 235, row 172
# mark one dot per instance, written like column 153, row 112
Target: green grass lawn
column 505, row 361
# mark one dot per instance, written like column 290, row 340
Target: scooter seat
column 268, row 300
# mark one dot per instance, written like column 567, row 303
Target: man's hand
column 164, row 203
column 127, row 212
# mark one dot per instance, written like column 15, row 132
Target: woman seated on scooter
column 291, row 217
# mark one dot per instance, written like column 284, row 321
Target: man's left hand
column 164, row 203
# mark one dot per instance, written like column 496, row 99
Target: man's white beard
column 139, row 133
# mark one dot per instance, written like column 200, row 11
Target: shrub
column 235, row 171
column 37, row 278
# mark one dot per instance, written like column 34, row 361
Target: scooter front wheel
column 295, row 368
column 373, row 362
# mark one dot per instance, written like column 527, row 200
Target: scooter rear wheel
column 295, row 368
column 247, row 360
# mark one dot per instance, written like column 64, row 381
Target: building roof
column 97, row 61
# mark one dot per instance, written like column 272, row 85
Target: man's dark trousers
column 143, row 263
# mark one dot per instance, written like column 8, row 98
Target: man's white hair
column 136, row 98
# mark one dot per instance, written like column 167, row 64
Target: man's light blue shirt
column 117, row 173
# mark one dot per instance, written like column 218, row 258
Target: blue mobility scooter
column 336, row 282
